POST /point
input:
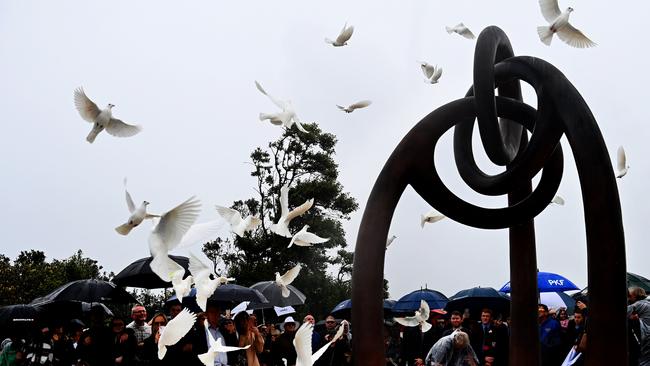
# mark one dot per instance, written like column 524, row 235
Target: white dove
column 558, row 200
column 343, row 37
column 137, row 214
column 304, row 238
column 286, row 118
column 216, row 346
column 302, row 344
column 420, row 318
column 203, row 282
column 286, row 279
column 621, row 163
column 390, row 240
column 282, row 226
column 168, row 233
column 559, row 23
column 238, row 225
column 461, row 29
column 176, row 329
column 432, row 73
column 181, row 286
column 431, row 217
column 357, row 105
column 102, row 119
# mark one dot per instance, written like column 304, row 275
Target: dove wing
column 424, row 311
column 345, row 34
column 300, row 209
column 86, row 107
column 201, row 233
column 232, row 216
column 620, row 159
column 427, row 69
column 311, row 238
column 558, row 200
column 302, row 343
column 323, row 349
column 279, row 103
column 177, row 328
column 164, row 267
column 198, row 268
column 360, row 104
column 174, row 224
column 290, row 275
column 252, row 222
column 219, row 347
column 118, row 128
column 467, row 33
column 574, row 37
column 409, row 321
column 437, row 73
column 284, row 201
column 129, row 200
column 550, row 10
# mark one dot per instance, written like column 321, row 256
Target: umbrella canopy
column 69, row 309
column 411, row 302
column 139, row 274
column 477, row 298
column 633, row 280
column 548, row 282
column 556, row 300
column 273, row 294
column 344, row 309
column 227, row 295
column 87, row 291
column 13, row 316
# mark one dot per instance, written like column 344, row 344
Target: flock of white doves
column 177, row 229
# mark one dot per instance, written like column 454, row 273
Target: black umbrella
column 69, row 309
column 87, row 291
column 139, row 274
column 344, row 309
column 16, row 316
column 224, row 295
column 477, row 298
column 633, row 280
column 273, row 293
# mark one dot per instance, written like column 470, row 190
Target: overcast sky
column 185, row 72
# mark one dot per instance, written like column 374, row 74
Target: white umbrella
column 556, row 300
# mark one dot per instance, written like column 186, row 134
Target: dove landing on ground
column 431, row 217
column 419, row 319
column 431, row 73
column 137, row 214
column 176, row 329
column 238, row 225
column 287, row 117
column 621, row 163
column 303, row 342
column 102, row 119
column 286, row 279
column 282, row 226
column 343, row 37
column 304, row 238
column 216, row 346
column 559, row 23
column 352, row 107
column 461, row 29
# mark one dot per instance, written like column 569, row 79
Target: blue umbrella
column 548, row 282
column 411, row 302
column 344, row 308
column 477, row 298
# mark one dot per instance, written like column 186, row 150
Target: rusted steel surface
column 561, row 111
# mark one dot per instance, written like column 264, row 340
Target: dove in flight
column 558, row 200
column 287, row 117
column 181, row 286
column 137, row 214
column 282, row 226
column 216, row 346
column 304, row 238
column 419, row 319
column 352, row 107
column 431, row 217
column 343, row 37
column 176, row 329
column 302, row 343
column 238, row 225
column 431, row 73
column 390, row 240
column 205, row 280
column 101, row 118
column 559, row 23
column 461, row 29
column 621, row 163
column 168, row 234
column 286, row 279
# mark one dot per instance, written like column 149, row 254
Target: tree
column 302, row 161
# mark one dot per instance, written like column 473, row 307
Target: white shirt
column 222, row 358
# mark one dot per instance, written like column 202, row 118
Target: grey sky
column 185, row 72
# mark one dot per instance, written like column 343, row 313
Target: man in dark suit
column 489, row 341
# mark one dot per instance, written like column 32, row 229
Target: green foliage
column 304, row 162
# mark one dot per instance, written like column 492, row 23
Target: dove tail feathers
column 124, row 229
column 92, row 135
column 327, row 40
column 545, row 34
column 264, row 116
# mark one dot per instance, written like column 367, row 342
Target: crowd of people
column 454, row 339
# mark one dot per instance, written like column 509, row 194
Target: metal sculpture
column 501, row 121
